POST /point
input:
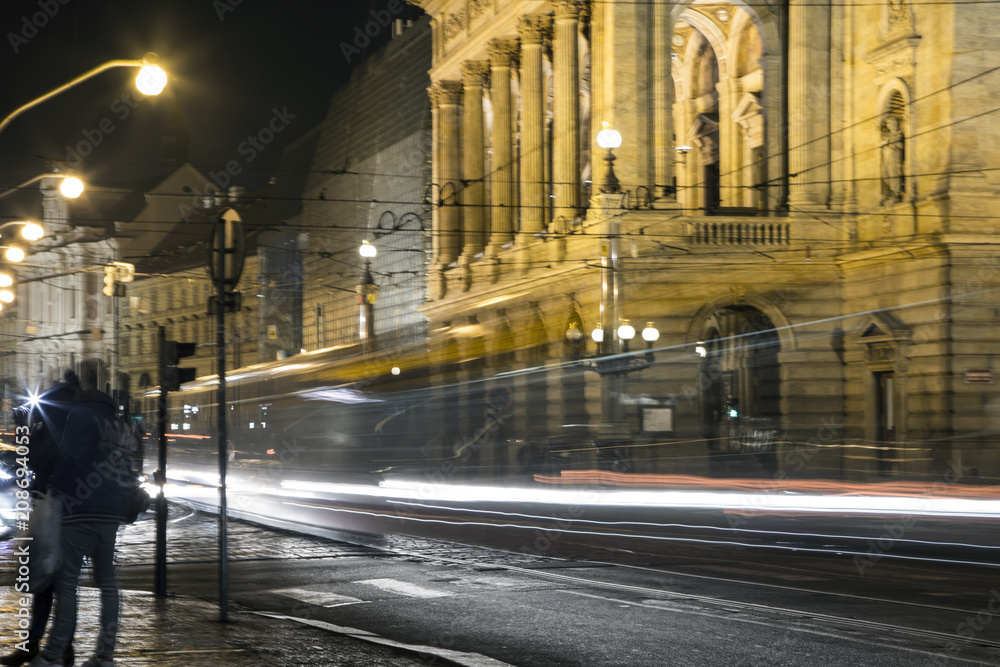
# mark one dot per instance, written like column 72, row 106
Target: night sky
column 234, row 65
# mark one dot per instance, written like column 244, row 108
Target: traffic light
column 172, row 377
column 109, row 280
column 734, row 407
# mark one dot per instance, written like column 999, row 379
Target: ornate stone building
column 802, row 212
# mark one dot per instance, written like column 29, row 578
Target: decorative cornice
column 445, row 92
column 503, row 52
column 534, row 28
column 475, row 73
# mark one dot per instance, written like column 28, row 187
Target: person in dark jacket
column 46, row 419
column 93, row 503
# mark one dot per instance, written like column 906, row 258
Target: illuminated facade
column 802, row 213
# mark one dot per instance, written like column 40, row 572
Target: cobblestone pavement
column 194, row 536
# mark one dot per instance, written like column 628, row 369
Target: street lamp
column 14, row 254
column 609, row 139
column 71, row 187
column 367, row 293
column 150, row 81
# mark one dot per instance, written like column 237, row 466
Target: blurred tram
column 348, row 441
column 335, row 414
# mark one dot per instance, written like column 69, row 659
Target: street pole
column 220, row 363
column 160, row 477
column 612, row 410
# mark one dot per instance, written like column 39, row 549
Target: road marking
column 456, row 657
column 403, row 588
column 319, row 598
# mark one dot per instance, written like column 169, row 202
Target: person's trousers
column 96, row 540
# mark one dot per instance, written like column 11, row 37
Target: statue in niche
column 892, row 161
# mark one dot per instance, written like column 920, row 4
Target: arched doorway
column 740, row 391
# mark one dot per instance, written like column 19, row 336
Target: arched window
column 720, row 55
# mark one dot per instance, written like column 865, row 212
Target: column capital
column 534, row 28
column 475, row 73
column 567, row 9
column 445, row 92
column 502, row 52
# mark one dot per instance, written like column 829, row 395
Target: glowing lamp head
column 650, row 333
column 151, row 79
column 6, row 296
column 626, row 331
column 6, row 280
column 14, row 254
column 598, row 334
column 367, row 250
column 395, row 370
column 32, row 231
column 71, row 187
column 609, row 139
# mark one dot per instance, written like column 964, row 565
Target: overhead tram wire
column 654, row 79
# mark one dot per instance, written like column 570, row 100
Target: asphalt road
column 520, row 609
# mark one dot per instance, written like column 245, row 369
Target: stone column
column 474, row 76
column 446, row 97
column 809, row 99
column 533, row 29
column 566, row 117
column 503, row 195
column 663, row 91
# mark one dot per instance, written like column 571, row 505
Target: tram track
column 612, row 588
column 659, row 593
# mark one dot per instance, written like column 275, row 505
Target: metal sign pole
column 220, row 362
column 160, row 477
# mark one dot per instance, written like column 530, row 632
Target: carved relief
column 479, row 7
column 739, row 292
column 454, row 25
column 897, row 20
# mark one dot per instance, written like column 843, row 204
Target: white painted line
column 403, row 588
column 319, row 598
column 457, row 657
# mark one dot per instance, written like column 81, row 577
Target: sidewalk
column 186, row 631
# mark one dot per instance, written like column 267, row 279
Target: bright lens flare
column 151, row 80
column 71, row 187
column 14, row 254
column 33, row 231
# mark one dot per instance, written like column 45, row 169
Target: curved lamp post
column 150, row 81
column 71, row 187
